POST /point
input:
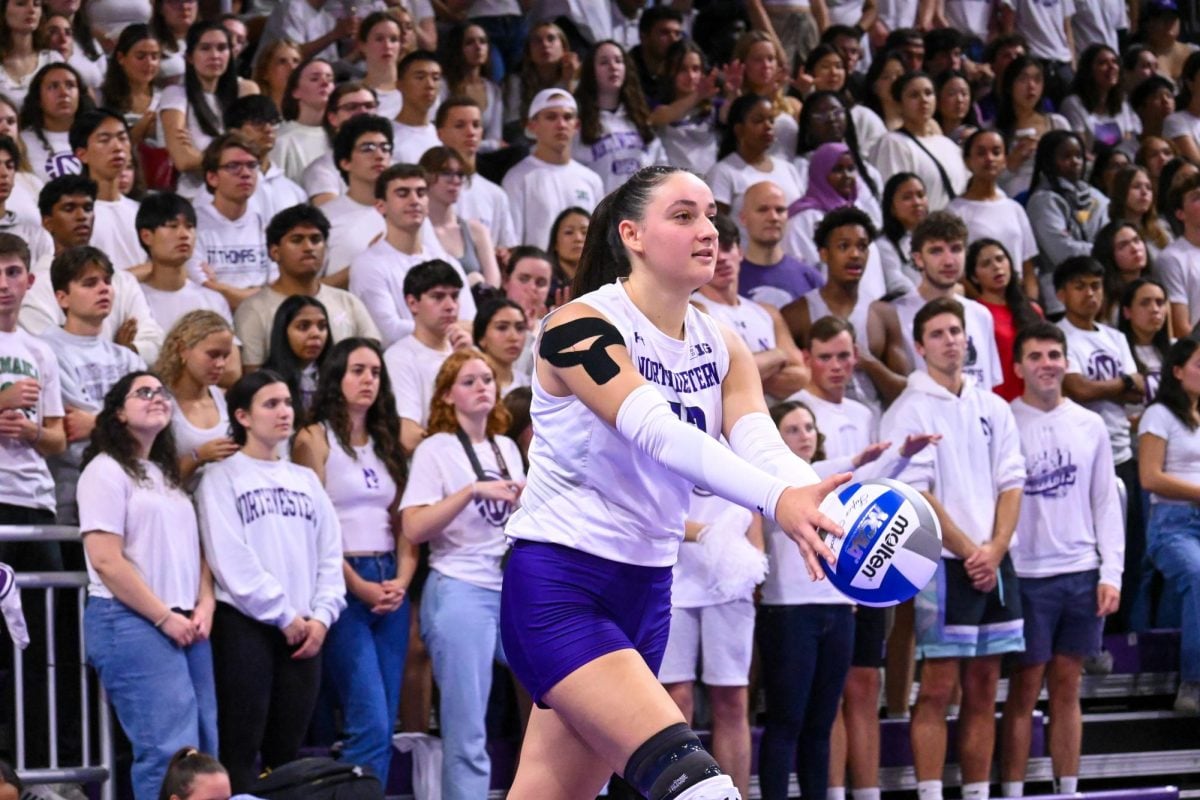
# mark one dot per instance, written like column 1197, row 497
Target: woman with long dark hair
column 465, row 482
column 469, row 241
column 500, row 332
column 353, row 445
column 1120, row 248
column 56, row 95
column 993, row 280
column 567, row 235
column 23, row 53
column 299, row 346
column 546, row 63
column 1169, row 468
column 1065, row 211
column 1022, row 122
column 150, row 594
column 170, row 23
column 884, row 71
column 956, row 112
column 1143, row 311
column 593, row 671
column 468, row 51
column 1182, row 128
column 687, row 119
column 272, row 538
column 129, row 84
column 302, row 138
column 616, row 138
column 190, row 114
column 1132, row 200
column 744, row 157
column 1096, row 106
column 904, row 206
column 919, row 146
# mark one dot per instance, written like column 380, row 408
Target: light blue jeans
column 364, row 653
column 460, row 623
column 163, row 694
column 1173, row 543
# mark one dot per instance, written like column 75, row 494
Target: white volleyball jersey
column 747, row 319
column 591, row 489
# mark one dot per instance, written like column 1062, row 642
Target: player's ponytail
column 604, row 259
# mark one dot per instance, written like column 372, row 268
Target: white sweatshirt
column 978, row 458
column 1070, row 476
column 272, row 538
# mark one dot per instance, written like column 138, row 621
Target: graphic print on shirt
column 1050, row 474
column 370, row 478
column 13, row 369
column 276, row 501
column 693, row 379
column 63, row 163
column 1103, row 366
column 493, row 512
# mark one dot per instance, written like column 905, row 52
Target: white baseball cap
column 551, row 98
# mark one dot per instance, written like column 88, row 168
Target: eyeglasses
column 452, row 175
column 147, row 393
column 234, row 167
column 371, row 147
column 367, row 106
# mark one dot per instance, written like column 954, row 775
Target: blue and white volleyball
column 891, row 545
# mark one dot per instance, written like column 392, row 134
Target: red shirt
column 1006, row 334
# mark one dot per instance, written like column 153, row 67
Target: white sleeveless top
column 861, row 388
column 747, row 319
column 362, row 491
column 588, row 487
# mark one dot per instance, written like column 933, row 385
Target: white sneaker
column 718, row 787
column 1187, row 699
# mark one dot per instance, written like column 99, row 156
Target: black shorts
column 870, row 634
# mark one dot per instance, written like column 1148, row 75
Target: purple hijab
column 820, row 194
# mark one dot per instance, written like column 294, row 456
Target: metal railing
column 97, row 757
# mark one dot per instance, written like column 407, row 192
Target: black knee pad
column 669, row 762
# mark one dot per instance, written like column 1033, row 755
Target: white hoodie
column 978, row 458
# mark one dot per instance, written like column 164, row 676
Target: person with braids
column 616, row 138
column 150, row 595
column 465, row 481
column 603, row 405
column 190, row 115
column 192, row 775
column 353, row 444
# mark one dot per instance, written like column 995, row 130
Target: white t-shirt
column 1182, row 459
column 486, row 203
column 411, row 141
column 588, row 488
column 50, row 155
column 619, row 151
column 1178, row 266
column 188, row 437
column 1099, row 355
column 413, row 368
column 115, row 232
column 1001, row 219
column 41, row 246
column 971, row 17
column 978, row 458
column 746, row 318
column 272, row 538
column 299, row 145
column 732, row 176
column 897, row 152
column 236, row 250
column 787, row 132
column 255, row 316
column 1097, row 22
column 321, row 176
column 691, row 142
column 275, row 192
column 24, row 198
column 24, row 476
column 174, row 98
column 112, row 16
column 92, row 72
column 471, row 545
column 156, row 523
column 982, row 360
column 15, row 89
column 1069, row 476
column 1041, row 22
column 539, row 191
column 299, row 21
column 362, row 492
column 1101, row 128
column 898, row 13
column 1181, row 123
column 377, row 278
column 169, row 306
column 353, row 227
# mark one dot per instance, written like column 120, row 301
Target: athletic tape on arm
column 599, row 365
column 646, row 420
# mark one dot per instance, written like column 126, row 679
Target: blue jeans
column 1173, row 543
column 460, row 623
column 804, row 652
column 163, row 694
column 364, row 653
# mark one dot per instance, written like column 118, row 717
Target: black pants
column 1135, row 548
column 265, row 699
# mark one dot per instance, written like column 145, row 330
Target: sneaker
column 1100, row 664
column 1187, row 699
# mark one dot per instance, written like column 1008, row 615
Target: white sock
column 929, row 790
column 870, row 793
column 835, row 793
column 1013, row 788
column 976, row 791
column 1068, row 784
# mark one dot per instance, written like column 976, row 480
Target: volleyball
column 891, row 545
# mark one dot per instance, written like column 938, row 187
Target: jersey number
column 694, row 415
